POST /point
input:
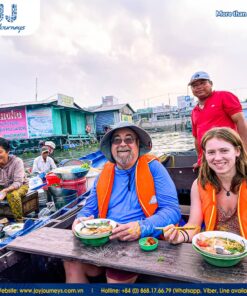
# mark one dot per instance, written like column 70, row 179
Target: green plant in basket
column 85, row 166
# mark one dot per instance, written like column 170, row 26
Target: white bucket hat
column 50, row 144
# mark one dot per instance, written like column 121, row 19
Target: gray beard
column 124, row 160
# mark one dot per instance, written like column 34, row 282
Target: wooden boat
column 62, row 218
column 179, row 166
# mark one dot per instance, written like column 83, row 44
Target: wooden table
column 179, row 262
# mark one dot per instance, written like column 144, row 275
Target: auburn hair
column 206, row 174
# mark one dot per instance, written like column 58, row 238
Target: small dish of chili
column 148, row 243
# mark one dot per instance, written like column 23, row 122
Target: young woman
column 219, row 195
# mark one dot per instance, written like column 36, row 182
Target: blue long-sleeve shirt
column 124, row 206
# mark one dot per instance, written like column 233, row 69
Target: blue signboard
column 39, row 122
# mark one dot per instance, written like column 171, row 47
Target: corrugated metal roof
column 40, row 102
column 9, row 105
column 109, row 108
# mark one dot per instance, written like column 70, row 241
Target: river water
column 163, row 142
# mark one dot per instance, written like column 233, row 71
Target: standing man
column 134, row 189
column 214, row 109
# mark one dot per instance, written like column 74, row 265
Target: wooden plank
column 64, row 220
column 9, row 259
column 179, row 262
column 183, row 178
column 30, row 203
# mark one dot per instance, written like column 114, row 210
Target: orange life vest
column 145, row 188
column 209, row 209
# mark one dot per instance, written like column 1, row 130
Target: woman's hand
column 81, row 219
column 172, row 235
column 127, row 232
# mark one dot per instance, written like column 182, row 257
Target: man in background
column 51, row 147
column 214, row 109
column 43, row 163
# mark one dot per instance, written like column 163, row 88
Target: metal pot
column 64, row 173
column 56, row 191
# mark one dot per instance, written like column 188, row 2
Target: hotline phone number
column 152, row 291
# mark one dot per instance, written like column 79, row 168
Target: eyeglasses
column 127, row 141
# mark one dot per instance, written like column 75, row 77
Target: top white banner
column 19, row 17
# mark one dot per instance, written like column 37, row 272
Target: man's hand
column 127, row 232
column 81, row 219
column 2, row 195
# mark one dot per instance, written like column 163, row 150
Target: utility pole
column 36, row 89
column 148, row 100
column 169, row 103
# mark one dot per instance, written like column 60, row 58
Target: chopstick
column 179, row 228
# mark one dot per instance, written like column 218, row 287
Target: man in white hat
column 134, row 189
column 214, row 109
column 51, row 147
column 43, row 163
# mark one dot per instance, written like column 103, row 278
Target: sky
column 141, row 51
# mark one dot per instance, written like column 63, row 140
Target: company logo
column 153, row 200
column 19, row 17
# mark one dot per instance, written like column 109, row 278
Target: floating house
column 166, row 117
column 110, row 113
column 58, row 119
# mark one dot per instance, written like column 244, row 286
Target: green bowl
column 93, row 242
column 220, row 262
column 142, row 242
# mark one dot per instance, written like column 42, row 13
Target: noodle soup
column 220, row 243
